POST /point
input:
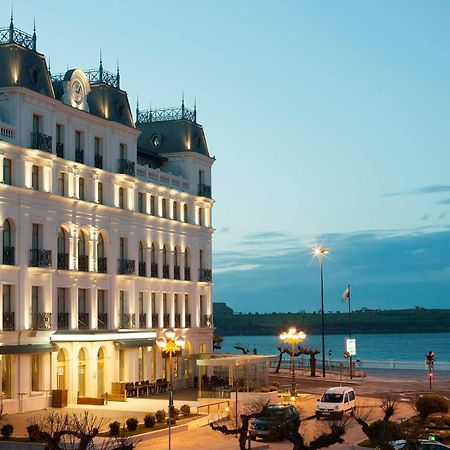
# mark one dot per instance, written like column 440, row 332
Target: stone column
column 93, row 307
column 160, row 309
column 159, row 258
column 2, row 157
column 171, row 263
column 73, row 307
column 171, row 309
column 181, row 264
column 182, row 310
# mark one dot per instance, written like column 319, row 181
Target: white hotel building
column 106, row 232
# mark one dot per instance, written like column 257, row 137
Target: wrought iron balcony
column 187, row 273
column 128, row 321
column 205, row 275
column 98, row 161
column 8, row 321
column 79, row 156
column 102, row 321
column 40, row 141
column 166, row 273
column 154, row 270
column 63, row 261
column 127, row 267
column 8, row 256
column 166, row 320
column 41, row 321
column 166, row 114
column 206, row 320
column 102, row 265
column 13, row 35
column 83, row 263
column 142, row 269
column 142, row 320
column 40, row 257
column 63, row 321
column 83, row 321
column 187, row 321
column 204, row 190
column 176, row 273
column 177, row 320
column 60, row 149
column 126, row 167
column 155, row 320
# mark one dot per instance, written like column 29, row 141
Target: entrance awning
column 27, row 348
column 134, row 343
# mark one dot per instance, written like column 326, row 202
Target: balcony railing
column 204, row 190
column 127, row 267
column 205, row 275
column 63, row 321
column 128, row 321
column 154, row 270
column 83, row 263
column 83, row 321
column 127, row 167
column 142, row 269
column 187, row 321
column 8, row 256
column 177, row 320
column 40, row 141
column 155, row 320
column 187, row 273
column 41, row 321
column 98, row 161
column 142, row 320
column 60, row 149
column 102, row 265
column 166, row 320
column 79, row 156
column 40, row 257
column 166, row 271
column 176, row 273
column 8, row 321
column 63, row 261
column 102, row 321
column 206, row 320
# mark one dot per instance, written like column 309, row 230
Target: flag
column 346, row 294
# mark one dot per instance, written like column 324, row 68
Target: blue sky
column 329, row 121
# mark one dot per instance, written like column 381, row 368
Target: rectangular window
column 60, row 140
column 62, row 183
column 123, row 302
column 152, row 205
column 141, row 303
column 175, row 211
column 37, row 123
column 164, row 207
column 35, row 372
column 153, row 304
column 36, row 236
column 201, row 177
column 123, row 248
column 81, row 188
column 122, row 151
column 101, row 307
column 7, row 288
column 100, row 192
column 202, row 304
column 35, row 178
column 98, row 152
column 185, row 212
column 34, row 307
column 78, row 140
column 82, row 306
column 121, row 198
column 61, row 300
column 7, row 172
column 141, row 202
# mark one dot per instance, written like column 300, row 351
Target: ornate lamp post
column 292, row 336
column 170, row 346
column 320, row 252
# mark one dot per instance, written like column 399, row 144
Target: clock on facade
column 77, row 92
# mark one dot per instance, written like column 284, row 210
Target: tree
column 336, row 430
column 244, row 349
column 312, row 352
column 217, row 341
column 77, row 431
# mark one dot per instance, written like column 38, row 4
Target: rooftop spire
column 195, row 109
column 182, row 106
column 34, row 34
column 137, row 108
column 100, row 69
column 49, row 69
column 11, row 26
column 118, row 75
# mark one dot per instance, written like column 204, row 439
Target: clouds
column 433, row 189
column 386, row 269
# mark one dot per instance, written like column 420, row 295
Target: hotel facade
column 106, row 232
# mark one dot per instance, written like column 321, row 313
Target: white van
column 335, row 402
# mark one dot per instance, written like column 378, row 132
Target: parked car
column 335, row 402
column 423, row 444
column 273, row 424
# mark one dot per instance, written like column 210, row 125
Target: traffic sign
column 346, row 355
column 350, row 346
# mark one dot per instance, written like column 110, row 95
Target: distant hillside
column 418, row 320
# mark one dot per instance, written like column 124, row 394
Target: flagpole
column 350, row 326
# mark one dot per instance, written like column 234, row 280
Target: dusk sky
column 329, row 121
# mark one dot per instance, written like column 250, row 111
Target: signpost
column 350, row 348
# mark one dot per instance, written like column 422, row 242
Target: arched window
column 82, row 373
column 63, row 254
column 165, row 262
column 153, row 262
column 176, row 264
column 141, row 252
column 142, row 268
column 101, row 257
column 8, row 243
column 187, row 265
column 164, row 207
column 153, row 254
column 185, row 212
column 175, row 210
column 83, row 259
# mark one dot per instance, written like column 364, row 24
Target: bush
column 185, row 410
column 160, row 415
column 430, row 404
column 34, row 432
column 382, row 431
column 114, row 428
column 7, row 431
column 149, row 420
column 275, row 384
column 176, row 413
column 273, row 388
column 132, row 424
column 265, row 389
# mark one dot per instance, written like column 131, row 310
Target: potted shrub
column 185, row 410
column 34, row 432
column 160, row 415
column 114, row 428
column 149, row 420
column 132, row 424
column 7, row 431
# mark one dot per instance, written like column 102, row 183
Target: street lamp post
column 292, row 336
column 170, row 345
column 320, row 252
